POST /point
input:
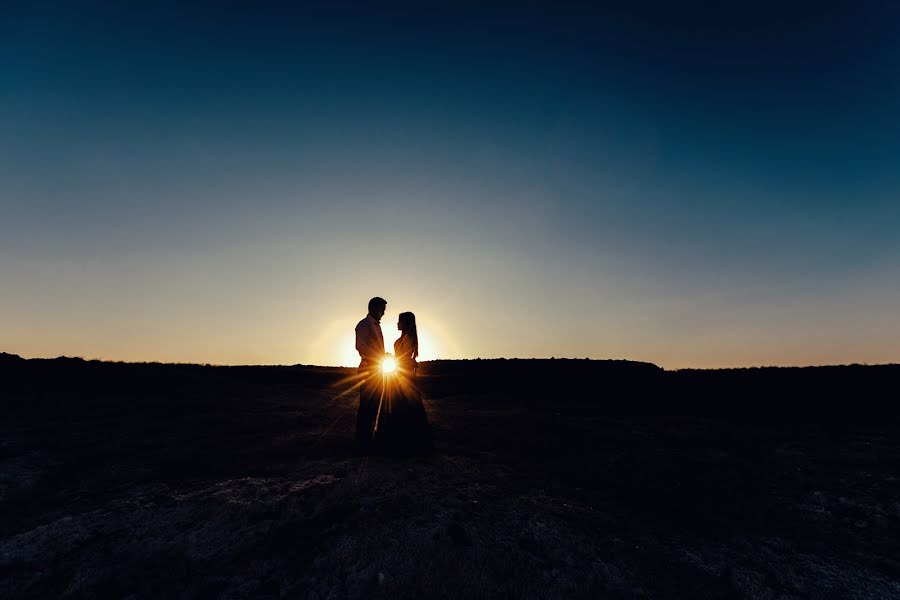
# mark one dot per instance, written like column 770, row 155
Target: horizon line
column 436, row 360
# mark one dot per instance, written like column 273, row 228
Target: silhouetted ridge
column 834, row 393
column 572, row 365
column 553, row 382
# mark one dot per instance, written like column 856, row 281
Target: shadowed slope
column 157, row 480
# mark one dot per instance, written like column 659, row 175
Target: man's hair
column 377, row 302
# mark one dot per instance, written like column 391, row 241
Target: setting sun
column 388, row 365
column 335, row 345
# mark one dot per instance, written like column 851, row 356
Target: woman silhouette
column 402, row 427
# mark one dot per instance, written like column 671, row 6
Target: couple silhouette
column 391, row 416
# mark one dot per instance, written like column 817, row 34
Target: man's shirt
column 369, row 340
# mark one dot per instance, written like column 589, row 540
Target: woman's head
column 407, row 321
column 407, row 324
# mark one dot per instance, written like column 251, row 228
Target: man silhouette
column 370, row 345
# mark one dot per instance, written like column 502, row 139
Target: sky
column 696, row 184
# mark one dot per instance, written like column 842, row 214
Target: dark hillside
column 553, row 478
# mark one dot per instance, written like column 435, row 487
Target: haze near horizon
column 691, row 185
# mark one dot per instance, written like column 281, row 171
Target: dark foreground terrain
column 553, row 479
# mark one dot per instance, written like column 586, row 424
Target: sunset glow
column 343, row 351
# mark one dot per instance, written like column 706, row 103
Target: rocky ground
column 243, row 483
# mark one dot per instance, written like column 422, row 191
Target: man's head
column 377, row 307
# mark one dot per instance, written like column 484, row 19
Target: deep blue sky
column 695, row 184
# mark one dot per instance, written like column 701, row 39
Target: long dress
column 402, row 427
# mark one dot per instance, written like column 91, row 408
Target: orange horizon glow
column 284, row 332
